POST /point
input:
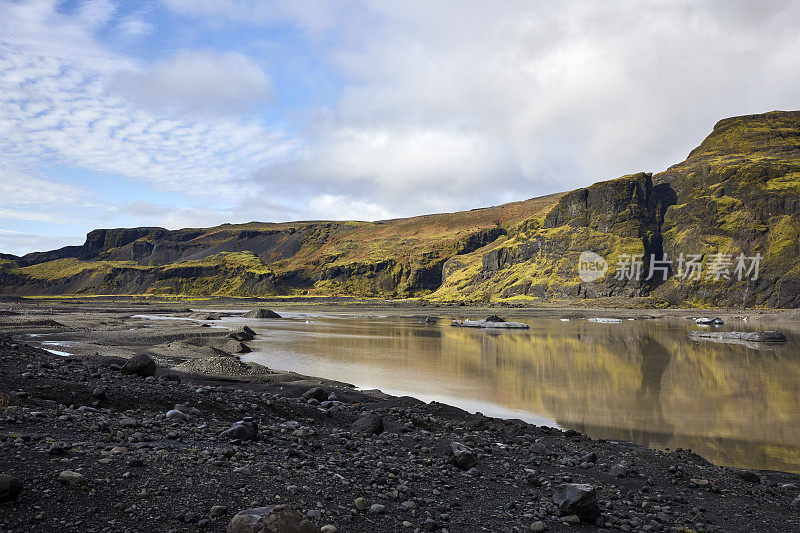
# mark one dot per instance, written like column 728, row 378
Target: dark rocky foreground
column 95, row 449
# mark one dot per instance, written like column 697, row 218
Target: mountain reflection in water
column 643, row 381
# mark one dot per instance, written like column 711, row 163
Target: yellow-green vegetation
column 737, row 193
column 67, row 268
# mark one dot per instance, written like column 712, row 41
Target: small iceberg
column 493, row 322
column 739, row 337
column 605, row 320
column 705, row 321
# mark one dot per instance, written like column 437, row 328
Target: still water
column 643, row 381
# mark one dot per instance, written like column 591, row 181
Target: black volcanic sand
column 142, row 471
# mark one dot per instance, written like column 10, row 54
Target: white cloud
column 204, row 82
column 20, row 243
column 467, row 104
column 134, row 26
column 338, row 207
column 56, row 107
column 438, row 105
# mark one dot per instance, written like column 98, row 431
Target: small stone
column 100, row 393
column 317, row 393
column 749, row 476
column 377, row 508
column 618, row 470
column 430, row 525
column 700, row 482
column 796, row 503
column 242, row 430
column 275, row 518
column 10, row 487
column 538, row 526
column 218, row 510
column 462, row 456
column 71, row 478
column 361, row 504
column 328, row 528
column 128, row 422
column 174, row 414
column 572, row 519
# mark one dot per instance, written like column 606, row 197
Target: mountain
column 737, row 194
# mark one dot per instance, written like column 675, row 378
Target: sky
column 192, row 113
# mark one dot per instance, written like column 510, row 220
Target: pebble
column 71, row 478
column 174, row 414
column 218, row 510
column 361, row 504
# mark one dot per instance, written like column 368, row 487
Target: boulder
column 371, row 424
column 578, row 499
column 270, row 519
column 10, row 487
column 243, row 334
column 262, row 313
column 317, row 393
column 242, row 430
column 462, row 456
column 140, row 365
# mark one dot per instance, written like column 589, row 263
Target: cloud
column 337, row 207
column 134, row 26
column 451, row 106
column 426, row 106
column 56, row 107
column 20, row 243
column 205, row 82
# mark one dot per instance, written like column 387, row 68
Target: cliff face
column 391, row 258
column 738, row 193
column 539, row 259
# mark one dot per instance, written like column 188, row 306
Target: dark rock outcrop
column 261, row 313
column 578, row 499
column 140, row 365
column 370, row 424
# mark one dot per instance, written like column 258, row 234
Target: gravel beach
column 109, row 443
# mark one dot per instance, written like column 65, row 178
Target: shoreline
column 52, row 420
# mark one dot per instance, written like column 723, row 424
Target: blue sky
column 181, row 113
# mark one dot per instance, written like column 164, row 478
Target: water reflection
column 643, row 381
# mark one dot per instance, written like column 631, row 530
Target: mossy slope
column 737, row 193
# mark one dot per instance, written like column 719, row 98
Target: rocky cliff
column 737, row 195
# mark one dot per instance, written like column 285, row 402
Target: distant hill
column 737, row 193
